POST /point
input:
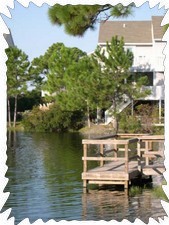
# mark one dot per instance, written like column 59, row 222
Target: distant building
column 144, row 39
column 9, row 39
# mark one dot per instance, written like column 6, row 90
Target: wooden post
column 146, row 152
column 139, row 155
column 101, row 153
column 150, row 145
column 115, row 150
column 85, row 164
column 126, row 184
column 126, row 158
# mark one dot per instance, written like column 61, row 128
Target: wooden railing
column 142, row 151
column 117, row 145
column 145, row 149
column 148, row 151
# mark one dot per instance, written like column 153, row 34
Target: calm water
column 44, row 172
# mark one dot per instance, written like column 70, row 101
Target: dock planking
column 118, row 169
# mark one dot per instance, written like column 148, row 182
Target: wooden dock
column 120, row 158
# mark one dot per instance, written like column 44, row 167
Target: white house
column 144, row 39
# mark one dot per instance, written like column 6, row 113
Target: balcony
column 143, row 64
column 157, row 92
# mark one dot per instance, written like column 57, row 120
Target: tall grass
column 135, row 190
column 159, row 192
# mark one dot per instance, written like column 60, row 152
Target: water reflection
column 117, row 205
column 44, row 172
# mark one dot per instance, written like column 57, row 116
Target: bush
column 142, row 121
column 158, row 130
column 129, row 123
column 52, row 120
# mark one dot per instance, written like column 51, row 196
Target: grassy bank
column 18, row 127
column 97, row 130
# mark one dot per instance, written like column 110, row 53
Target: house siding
column 144, row 39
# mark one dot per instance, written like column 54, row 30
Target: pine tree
column 81, row 87
column 61, row 58
column 77, row 19
column 116, row 83
column 38, row 69
column 17, row 77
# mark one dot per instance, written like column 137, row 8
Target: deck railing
column 142, row 151
column 117, row 145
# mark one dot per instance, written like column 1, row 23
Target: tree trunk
column 98, row 115
column 88, row 114
column 9, row 112
column 115, row 121
column 15, row 112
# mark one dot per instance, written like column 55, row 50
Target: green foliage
column 17, row 71
column 159, row 192
column 142, row 121
column 60, row 59
column 80, row 82
column 129, row 123
column 115, row 63
column 148, row 116
column 135, row 190
column 158, row 130
column 52, row 120
column 17, row 78
column 166, row 27
column 37, row 71
column 26, row 102
column 82, row 85
column 77, row 19
column 121, row 11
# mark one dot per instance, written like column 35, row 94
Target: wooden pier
column 120, row 158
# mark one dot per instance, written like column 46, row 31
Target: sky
column 33, row 32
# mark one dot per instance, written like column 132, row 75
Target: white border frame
column 4, row 9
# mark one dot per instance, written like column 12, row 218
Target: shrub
column 52, row 120
column 129, row 123
column 158, row 130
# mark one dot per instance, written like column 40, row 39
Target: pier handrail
column 148, row 139
column 115, row 143
column 109, row 141
column 101, row 157
column 148, row 150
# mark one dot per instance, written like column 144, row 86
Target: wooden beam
column 106, row 182
column 152, row 137
column 103, row 158
column 109, row 141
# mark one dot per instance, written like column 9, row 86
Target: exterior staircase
column 122, row 105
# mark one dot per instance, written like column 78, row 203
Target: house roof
column 157, row 28
column 132, row 31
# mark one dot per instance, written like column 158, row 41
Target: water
column 44, row 172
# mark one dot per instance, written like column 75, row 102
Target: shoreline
column 96, row 130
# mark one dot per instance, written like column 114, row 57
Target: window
column 135, row 77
